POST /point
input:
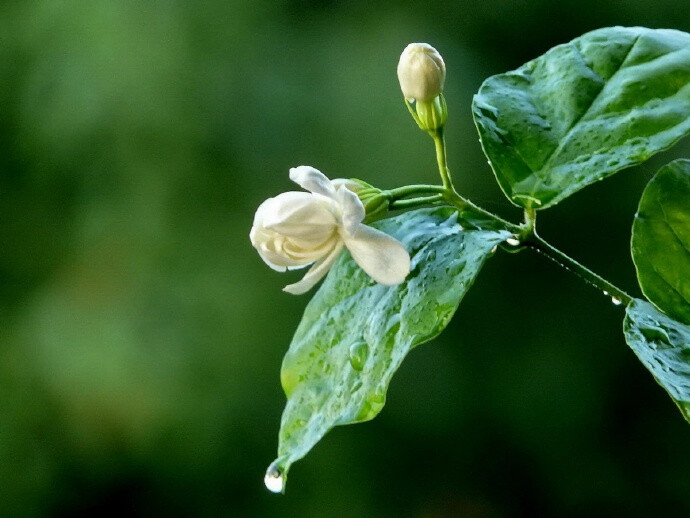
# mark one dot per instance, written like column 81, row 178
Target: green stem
column 528, row 237
column 413, row 190
column 525, row 234
column 463, row 204
column 537, row 243
column 440, row 144
column 414, row 202
column 531, row 218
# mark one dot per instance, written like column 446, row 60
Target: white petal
column 381, row 256
column 299, row 215
column 258, row 238
column 270, row 248
column 315, row 273
column 352, row 210
column 307, row 253
column 312, row 180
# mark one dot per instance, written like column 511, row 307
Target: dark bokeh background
column 141, row 336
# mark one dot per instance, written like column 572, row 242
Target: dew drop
column 493, row 250
column 606, row 293
column 274, row 480
column 513, row 241
column 358, row 355
column 616, row 301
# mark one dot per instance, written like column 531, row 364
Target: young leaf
column 661, row 240
column 607, row 100
column 663, row 346
column 355, row 333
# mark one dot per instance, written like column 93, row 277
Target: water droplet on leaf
column 274, row 480
column 358, row 355
column 512, row 241
column 616, row 301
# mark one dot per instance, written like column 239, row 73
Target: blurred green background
column 141, row 336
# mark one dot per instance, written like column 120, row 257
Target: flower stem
column 440, row 144
column 413, row 190
column 525, row 234
column 415, row 202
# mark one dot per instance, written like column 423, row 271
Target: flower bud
column 421, row 72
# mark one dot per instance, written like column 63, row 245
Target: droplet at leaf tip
column 276, row 477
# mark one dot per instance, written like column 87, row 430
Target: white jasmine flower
column 296, row 229
column 421, row 72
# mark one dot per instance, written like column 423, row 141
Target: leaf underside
column 355, row 333
column 607, row 100
column 663, row 346
column 661, row 240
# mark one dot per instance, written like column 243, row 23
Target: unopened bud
column 421, row 72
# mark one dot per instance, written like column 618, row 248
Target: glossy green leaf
column 355, row 333
column 584, row 110
column 663, row 346
column 661, row 240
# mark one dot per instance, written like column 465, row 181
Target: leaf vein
column 566, row 136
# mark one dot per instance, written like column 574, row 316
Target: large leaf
column 663, row 346
column 661, row 240
column 355, row 333
column 584, row 110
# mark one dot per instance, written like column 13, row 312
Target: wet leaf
column 355, row 333
column 607, row 100
column 663, row 346
column 661, row 240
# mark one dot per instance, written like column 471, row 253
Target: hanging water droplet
column 274, row 479
column 358, row 355
column 616, row 301
column 493, row 250
column 512, row 241
column 606, row 293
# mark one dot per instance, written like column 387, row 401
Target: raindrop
column 274, row 480
column 358, row 355
column 616, row 301
column 512, row 241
